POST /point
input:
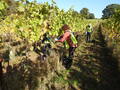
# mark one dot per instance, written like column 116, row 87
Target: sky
column 94, row 6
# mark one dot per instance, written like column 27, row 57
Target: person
column 69, row 41
column 46, row 40
column 46, row 46
column 89, row 30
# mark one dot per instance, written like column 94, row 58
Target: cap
column 65, row 27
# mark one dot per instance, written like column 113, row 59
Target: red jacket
column 66, row 36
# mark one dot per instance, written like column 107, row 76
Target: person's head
column 65, row 27
column 46, row 34
column 1, row 59
column 89, row 25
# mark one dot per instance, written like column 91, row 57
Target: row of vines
column 112, row 32
column 113, row 26
column 26, row 20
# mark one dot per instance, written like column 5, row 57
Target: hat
column 1, row 60
column 65, row 27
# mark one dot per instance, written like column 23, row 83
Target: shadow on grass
column 98, row 71
column 21, row 77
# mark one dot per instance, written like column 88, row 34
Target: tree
column 110, row 10
column 85, row 12
column 91, row 16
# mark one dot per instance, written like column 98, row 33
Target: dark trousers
column 45, row 51
column 88, row 36
column 69, row 60
column 71, row 52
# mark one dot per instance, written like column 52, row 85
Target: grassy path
column 95, row 67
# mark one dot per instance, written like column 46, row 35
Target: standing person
column 70, row 42
column 89, row 30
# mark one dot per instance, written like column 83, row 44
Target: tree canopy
column 110, row 10
column 86, row 14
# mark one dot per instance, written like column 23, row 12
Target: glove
column 56, row 39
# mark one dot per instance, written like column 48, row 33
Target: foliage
column 112, row 32
column 91, row 16
column 110, row 10
column 86, row 14
column 27, row 22
column 3, row 7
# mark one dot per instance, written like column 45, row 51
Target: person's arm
column 86, row 30
column 92, row 29
column 65, row 35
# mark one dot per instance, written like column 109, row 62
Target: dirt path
column 110, row 74
column 95, row 67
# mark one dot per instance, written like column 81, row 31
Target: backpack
column 73, row 38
